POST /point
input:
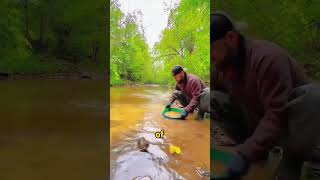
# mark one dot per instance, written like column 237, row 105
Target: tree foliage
column 129, row 52
column 185, row 41
column 72, row 31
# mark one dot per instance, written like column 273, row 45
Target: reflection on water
column 136, row 112
column 52, row 129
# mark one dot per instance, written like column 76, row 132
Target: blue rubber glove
column 238, row 166
column 184, row 114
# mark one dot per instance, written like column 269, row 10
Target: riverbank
column 48, row 67
column 134, row 84
column 137, row 84
column 71, row 76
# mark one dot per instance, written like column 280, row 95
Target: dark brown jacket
column 263, row 87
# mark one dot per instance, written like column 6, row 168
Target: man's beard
column 230, row 60
column 182, row 80
column 235, row 58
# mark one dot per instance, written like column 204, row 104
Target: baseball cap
column 176, row 70
column 221, row 23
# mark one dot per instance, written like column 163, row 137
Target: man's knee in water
column 204, row 102
column 200, row 115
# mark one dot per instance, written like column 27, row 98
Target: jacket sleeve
column 274, row 85
column 195, row 86
column 172, row 99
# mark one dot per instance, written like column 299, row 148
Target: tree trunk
column 95, row 51
column 26, row 6
column 41, row 31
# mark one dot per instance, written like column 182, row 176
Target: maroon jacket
column 191, row 87
column 263, row 87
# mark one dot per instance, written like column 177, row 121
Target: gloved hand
column 168, row 105
column 184, row 114
column 238, row 166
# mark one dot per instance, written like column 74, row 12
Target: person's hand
column 184, row 114
column 179, row 105
column 238, row 166
column 168, row 105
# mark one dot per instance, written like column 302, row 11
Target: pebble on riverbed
column 143, row 144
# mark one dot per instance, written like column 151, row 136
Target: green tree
column 129, row 51
column 185, row 41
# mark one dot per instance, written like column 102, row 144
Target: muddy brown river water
column 136, row 112
column 56, row 129
column 53, row 129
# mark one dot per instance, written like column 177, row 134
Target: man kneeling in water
column 191, row 93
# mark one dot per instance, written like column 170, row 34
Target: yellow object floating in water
column 174, row 149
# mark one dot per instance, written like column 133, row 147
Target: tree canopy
column 185, row 41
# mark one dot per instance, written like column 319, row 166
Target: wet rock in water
column 143, row 144
column 203, row 173
column 135, row 164
column 142, row 178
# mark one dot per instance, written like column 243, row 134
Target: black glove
column 168, row 105
column 238, row 166
column 184, row 114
